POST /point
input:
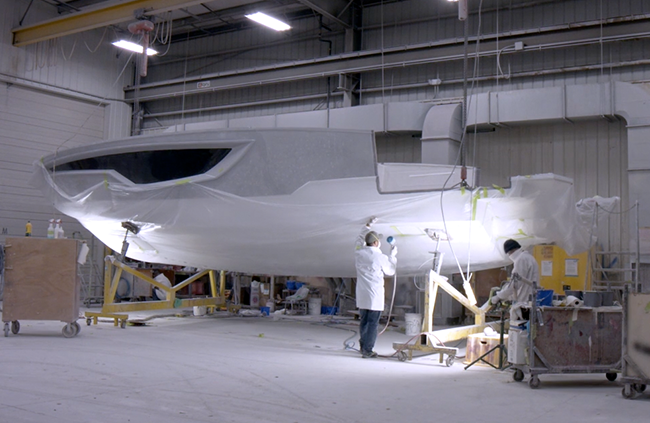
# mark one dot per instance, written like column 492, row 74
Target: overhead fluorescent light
column 267, row 20
column 136, row 48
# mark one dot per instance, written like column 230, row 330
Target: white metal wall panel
column 64, row 63
column 592, row 153
column 398, row 148
column 33, row 124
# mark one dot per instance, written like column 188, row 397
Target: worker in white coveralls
column 371, row 266
column 519, row 289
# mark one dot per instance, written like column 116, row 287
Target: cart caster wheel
column 401, row 356
column 628, row 392
column 15, row 327
column 534, row 382
column 518, row 375
column 89, row 321
column 75, row 324
column 639, row 387
column 70, row 330
column 449, row 361
column 611, row 376
column 123, row 323
column 6, row 329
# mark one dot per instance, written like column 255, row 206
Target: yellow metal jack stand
column 431, row 342
column 110, row 307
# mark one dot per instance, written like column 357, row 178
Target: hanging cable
column 99, row 43
column 381, row 8
column 74, row 45
column 165, row 29
column 461, row 151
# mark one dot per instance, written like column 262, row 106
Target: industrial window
column 146, row 167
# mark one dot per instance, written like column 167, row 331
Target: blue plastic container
column 545, row 297
column 291, row 285
column 329, row 311
column 265, row 311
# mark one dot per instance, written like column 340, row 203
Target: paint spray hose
column 392, row 302
column 391, row 241
column 348, row 344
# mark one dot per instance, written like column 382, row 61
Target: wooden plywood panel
column 41, row 280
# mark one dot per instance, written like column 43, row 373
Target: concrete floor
column 253, row 369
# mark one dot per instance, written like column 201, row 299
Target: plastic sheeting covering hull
column 291, row 202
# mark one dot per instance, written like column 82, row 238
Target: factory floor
column 257, row 369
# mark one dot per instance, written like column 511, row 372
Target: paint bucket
column 593, row 299
column 200, row 310
column 314, row 306
column 413, row 323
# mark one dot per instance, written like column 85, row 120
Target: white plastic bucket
column 413, row 323
column 200, row 310
column 314, row 306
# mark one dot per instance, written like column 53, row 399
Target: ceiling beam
column 100, row 16
column 357, row 62
column 320, row 8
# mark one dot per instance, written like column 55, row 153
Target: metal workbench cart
column 635, row 372
column 561, row 340
column 41, row 283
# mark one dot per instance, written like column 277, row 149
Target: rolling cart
column 563, row 340
column 635, row 344
column 41, row 283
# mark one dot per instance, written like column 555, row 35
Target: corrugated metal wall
column 398, row 148
column 53, row 95
column 34, row 124
column 593, row 154
column 66, row 63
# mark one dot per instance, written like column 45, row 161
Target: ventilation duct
column 442, row 132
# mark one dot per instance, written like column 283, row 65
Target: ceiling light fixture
column 269, row 21
column 136, row 48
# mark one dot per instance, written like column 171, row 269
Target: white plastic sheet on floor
column 291, row 202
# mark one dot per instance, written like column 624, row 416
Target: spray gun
column 393, row 245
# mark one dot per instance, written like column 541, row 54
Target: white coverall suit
column 516, row 290
column 371, row 266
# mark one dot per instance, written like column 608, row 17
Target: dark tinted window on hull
column 147, row 167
